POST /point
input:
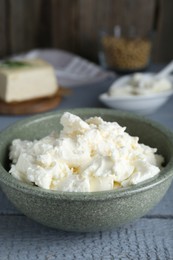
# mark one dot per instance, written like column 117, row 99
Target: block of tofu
column 26, row 80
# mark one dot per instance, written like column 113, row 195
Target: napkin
column 71, row 70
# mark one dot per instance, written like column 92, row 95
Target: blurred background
column 74, row 25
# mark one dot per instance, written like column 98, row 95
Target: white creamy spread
column 86, row 156
column 140, row 84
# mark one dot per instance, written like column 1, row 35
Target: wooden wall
column 74, row 25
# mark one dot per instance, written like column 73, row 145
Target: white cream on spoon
column 143, row 84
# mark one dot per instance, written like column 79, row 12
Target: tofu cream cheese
column 85, row 156
column 141, row 84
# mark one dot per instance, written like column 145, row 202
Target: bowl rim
column 123, row 79
column 164, row 94
column 166, row 173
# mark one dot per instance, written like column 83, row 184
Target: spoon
column 165, row 71
column 146, row 79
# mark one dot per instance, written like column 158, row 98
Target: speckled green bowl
column 87, row 211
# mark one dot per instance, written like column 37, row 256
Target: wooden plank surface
column 163, row 41
column 22, row 239
column 149, row 238
column 95, row 16
column 24, row 24
column 75, row 25
column 3, row 28
column 65, row 24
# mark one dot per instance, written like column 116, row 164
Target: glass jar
column 124, row 51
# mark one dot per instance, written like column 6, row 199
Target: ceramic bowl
column 92, row 211
column 140, row 104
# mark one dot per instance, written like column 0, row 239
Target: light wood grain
column 150, row 238
column 23, row 239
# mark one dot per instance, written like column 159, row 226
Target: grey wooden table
column 151, row 237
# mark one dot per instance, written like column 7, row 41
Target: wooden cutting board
column 33, row 106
